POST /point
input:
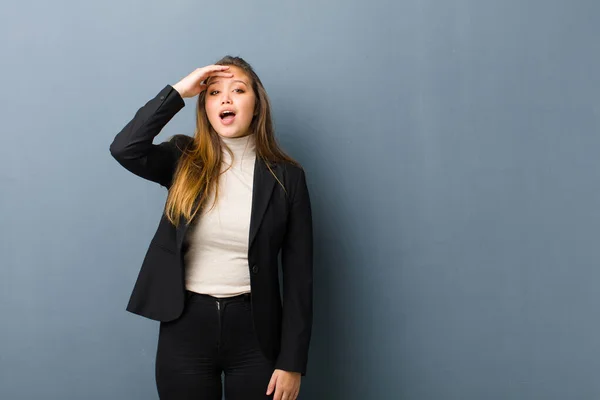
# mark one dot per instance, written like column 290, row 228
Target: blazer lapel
column 263, row 184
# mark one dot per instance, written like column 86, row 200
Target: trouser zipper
column 219, row 322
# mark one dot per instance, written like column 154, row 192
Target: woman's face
column 229, row 103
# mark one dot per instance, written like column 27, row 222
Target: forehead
column 238, row 74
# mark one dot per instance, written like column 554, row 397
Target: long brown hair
column 199, row 168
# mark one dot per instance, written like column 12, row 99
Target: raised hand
column 195, row 82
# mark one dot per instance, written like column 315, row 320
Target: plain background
column 452, row 154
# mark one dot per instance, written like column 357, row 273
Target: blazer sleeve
column 297, row 269
column 133, row 147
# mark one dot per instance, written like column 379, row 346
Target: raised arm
column 133, row 147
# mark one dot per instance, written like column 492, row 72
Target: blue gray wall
column 452, row 152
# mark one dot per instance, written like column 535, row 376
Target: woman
column 210, row 275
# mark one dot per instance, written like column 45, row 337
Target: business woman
column 235, row 203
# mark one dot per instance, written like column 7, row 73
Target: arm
column 297, row 266
column 133, row 148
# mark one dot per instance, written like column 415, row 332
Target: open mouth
column 227, row 116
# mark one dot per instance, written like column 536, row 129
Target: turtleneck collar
column 243, row 148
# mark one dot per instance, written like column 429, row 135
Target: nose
column 225, row 99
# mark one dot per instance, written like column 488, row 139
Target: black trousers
column 212, row 336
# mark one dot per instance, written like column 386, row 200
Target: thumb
column 272, row 383
column 202, row 86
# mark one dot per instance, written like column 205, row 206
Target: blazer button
column 255, row 269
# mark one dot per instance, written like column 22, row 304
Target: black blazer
column 279, row 221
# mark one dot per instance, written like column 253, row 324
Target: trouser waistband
column 232, row 299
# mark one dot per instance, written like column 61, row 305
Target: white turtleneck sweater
column 217, row 257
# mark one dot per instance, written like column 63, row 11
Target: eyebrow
column 237, row 80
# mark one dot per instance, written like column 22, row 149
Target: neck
column 243, row 148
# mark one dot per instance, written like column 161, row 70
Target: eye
column 214, row 92
column 239, row 90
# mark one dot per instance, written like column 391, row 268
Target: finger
column 272, row 383
column 214, row 68
column 224, row 74
column 278, row 394
column 206, row 71
column 215, row 75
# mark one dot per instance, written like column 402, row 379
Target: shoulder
column 293, row 171
column 179, row 143
column 294, row 178
column 181, row 140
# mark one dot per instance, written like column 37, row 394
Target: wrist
column 178, row 89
